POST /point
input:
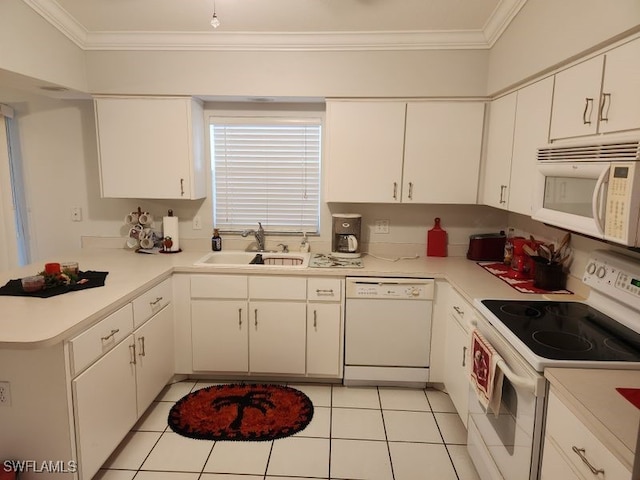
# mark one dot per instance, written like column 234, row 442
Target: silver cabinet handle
column 182, row 187
column 410, row 191
column 464, row 356
column 395, row 190
column 132, row 351
column 459, row 311
column 315, row 319
column 502, row 190
column 240, row 317
column 606, row 101
column 142, row 352
column 587, row 104
column 155, row 302
column 581, row 453
column 113, row 332
column 255, row 313
column 325, row 291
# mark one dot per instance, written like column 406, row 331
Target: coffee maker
column 345, row 235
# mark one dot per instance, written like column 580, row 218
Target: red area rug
column 509, row 276
column 241, row 412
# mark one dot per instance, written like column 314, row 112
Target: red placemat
column 631, row 394
column 507, row 275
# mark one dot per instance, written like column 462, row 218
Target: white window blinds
column 266, row 170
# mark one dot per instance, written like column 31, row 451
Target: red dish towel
column 631, row 394
column 486, row 376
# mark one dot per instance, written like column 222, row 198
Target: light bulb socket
column 215, row 23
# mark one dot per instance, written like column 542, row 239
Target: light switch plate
column 76, row 214
column 5, row 394
column 197, row 223
column 381, row 226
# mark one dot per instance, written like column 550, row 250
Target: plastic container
column 71, row 267
column 33, row 284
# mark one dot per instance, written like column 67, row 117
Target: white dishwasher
column 387, row 331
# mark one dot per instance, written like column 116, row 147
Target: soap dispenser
column 304, row 244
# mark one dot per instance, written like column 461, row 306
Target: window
column 266, row 170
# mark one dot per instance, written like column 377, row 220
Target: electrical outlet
column 5, row 394
column 381, row 226
column 76, row 214
column 197, row 223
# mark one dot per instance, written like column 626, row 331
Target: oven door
column 572, row 196
column 508, row 446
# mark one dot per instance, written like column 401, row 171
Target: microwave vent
column 603, row 152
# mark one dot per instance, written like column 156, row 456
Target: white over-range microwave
column 592, row 189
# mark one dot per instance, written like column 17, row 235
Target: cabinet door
column 621, row 89
column 443, row 139
column 154, row 356
column 497, row 168
column 323, row 339
column 455, row 372
column 104, row 404
column 364, row 151
column 147, row 149
column 576, row 99
column 533, row 114
column 277, row 337
column 219, row 332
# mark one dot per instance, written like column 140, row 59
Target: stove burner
column 617, row 345
column 568, row 310
column 562, row 341
column 520, row 310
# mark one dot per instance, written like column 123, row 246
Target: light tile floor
column 357, row 433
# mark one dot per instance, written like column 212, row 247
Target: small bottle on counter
column 216, row 241
column 304, row 244
column 508, row 247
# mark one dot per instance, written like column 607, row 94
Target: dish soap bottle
column 216, row 241
column 304, row 244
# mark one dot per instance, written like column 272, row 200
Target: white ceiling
column 280, row 24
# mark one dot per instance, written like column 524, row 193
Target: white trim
column 504, row 12
column 6, row 110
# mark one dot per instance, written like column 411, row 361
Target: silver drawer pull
column 459, row 311
column 132, row 350
column 255, row 314
column 113, row 332
column 581, row 453
column 315, row 319
column 240, row 318
column 324, row 291
column 464, row 356
column 156, row 301
column 142, row 352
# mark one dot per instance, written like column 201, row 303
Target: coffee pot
column 345, row 238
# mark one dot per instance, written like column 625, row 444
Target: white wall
column 548, row 32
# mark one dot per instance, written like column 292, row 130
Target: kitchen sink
column 239, row 258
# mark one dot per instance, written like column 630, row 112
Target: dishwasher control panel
column 390, row 288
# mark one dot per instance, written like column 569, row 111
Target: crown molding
column 505, row 11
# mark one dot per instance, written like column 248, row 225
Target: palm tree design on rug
column 258, row 400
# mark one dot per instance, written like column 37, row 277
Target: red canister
column 51, row 268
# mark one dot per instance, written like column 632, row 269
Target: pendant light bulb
column 215, row 23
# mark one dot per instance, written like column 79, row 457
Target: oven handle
column 595, row 200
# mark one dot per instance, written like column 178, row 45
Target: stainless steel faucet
column 259, row 234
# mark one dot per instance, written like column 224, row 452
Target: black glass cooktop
column 567, row 330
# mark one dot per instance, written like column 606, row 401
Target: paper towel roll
column 170, row 229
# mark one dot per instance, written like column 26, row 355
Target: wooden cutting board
column 437, row 241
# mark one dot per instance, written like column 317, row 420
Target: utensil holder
column 548, row 276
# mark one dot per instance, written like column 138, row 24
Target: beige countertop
column 591, row 394
column 28, row 322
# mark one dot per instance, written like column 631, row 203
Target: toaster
column 486, row 246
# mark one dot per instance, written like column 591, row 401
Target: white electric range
column 602, row 332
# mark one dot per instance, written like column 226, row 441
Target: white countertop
column 29, row 322
column 592, row 396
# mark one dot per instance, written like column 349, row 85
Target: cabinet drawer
column 460, row 309
column 281, row 288
column 151, row 302
column 88, row 346
column 324, row 289
column 570, row 434
column 219, row 286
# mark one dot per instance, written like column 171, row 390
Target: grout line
column 453, row 465
column 384, row 426
column 330, row 428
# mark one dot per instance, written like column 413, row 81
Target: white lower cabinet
column 323, row 339
column 277, row 337
column 110, row 395
column 220, row 338
column 267, row 325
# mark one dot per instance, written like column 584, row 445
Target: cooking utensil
column 529, row 251
column 544, row 252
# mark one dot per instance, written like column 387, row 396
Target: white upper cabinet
column 399, row 152
column 497, row 167
column 443, row 139
column 600, row 95
column 151, row 147
column 365, row 142
column 531, row 131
